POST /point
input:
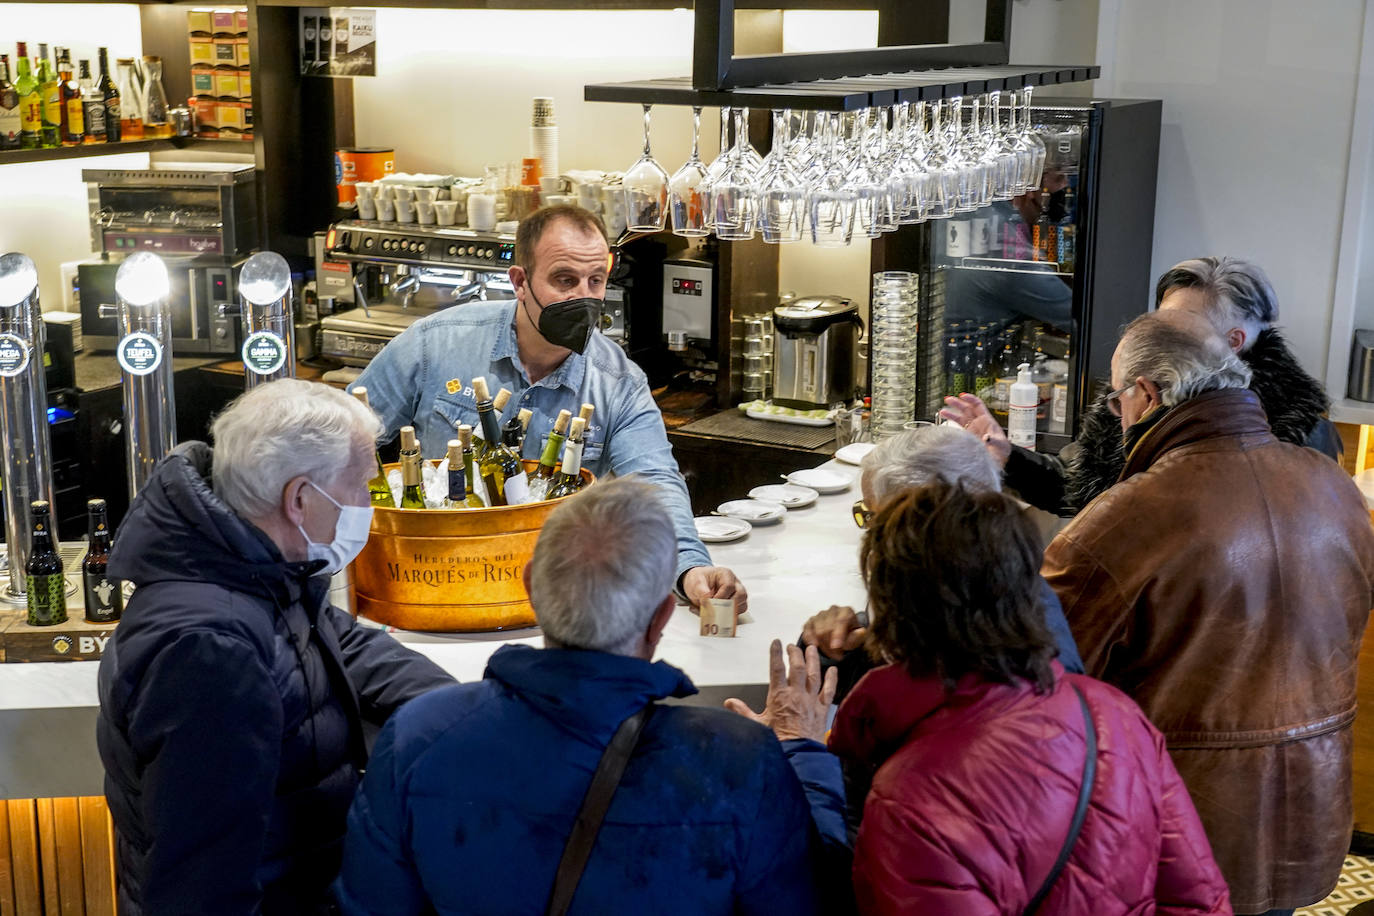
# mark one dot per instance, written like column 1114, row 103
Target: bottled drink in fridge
column 50, row 90
column 1021, row 409
column 109, row 99
column 104, row 599
column 1067, row 235
column 1006, row 377
column 30, row 102
column 43, row 579
column 956, row 382
column 92, row 106
column 568, row 480
column 156, row 125
column 412, row 477
column 1042, row 234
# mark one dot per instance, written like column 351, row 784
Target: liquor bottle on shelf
column 43, row 579
column 1068, row 234
column 499, row 465
column 1006, row 377
column 73, row 115
column 130, row 100
column 1044, row 385
column 92, row 107
column 548, row 461
column 412, row 477
column 378, row 489
column 50, row 90
column 109, row 98
column 11, row 114
column 983, row 371
column 956, row 382
column 1042, row 235
column 457, row 477
column 30, row 102
column 156, row 126
column 473, row 500
column 104, row 599
column 568, row 480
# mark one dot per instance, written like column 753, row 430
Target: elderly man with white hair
column 232, row 695
column 485, row 797
column 913, row 459
column 1224, row 584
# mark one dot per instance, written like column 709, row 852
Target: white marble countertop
column 792, row 569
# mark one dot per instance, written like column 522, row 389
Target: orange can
column 360, row 164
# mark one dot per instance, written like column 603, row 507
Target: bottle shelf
column 11, row 157
column 1008, row 265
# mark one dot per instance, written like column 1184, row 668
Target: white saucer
column 716, row 530
column 854, row 452
column 820, row 480
column 754, row 511
column 789, row 494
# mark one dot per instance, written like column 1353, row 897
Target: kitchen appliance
column 203, row 304
column 689, row 290
column 202, row 210
column 1360, row 384
column 814, row 344
column 401, row 274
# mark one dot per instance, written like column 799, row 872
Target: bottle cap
column 408, row 443
column 561, row 423
column 501, row 400
column 455, row 452
column 1023, row 372
column 479, row 388
column 578, row 426
column 96, row 503
column 524, row 417
column 465, row 436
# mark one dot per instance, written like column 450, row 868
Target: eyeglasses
column 1114, row 399
column 862, row 514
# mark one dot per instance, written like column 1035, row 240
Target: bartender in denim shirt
column 543, row 347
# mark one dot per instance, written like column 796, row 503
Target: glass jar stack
column 892, row 351
column 758, row 356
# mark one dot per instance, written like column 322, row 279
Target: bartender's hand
column 702, row 582
column 969, row 411
column 798, row 699
column 835, row 631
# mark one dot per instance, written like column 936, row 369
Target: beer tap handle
column 106, row 310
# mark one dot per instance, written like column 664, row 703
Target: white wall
column 43, row 204
column 1258, row 109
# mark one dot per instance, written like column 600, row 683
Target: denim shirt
column 411, row 382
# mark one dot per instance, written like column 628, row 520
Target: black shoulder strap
column 1080, row 813
column 594, row 806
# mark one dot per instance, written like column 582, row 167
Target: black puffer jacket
column 231, row 705
column 1294, row 401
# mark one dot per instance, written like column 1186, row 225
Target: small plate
column 854, row 452
column 820, row 480
column 713, row 529
column 789, row 494
column 754, row 511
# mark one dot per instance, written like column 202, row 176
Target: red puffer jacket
column 975, row 790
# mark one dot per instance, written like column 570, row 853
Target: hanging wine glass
column 733, row 193
column 873, row 210
column 686, row 199
column 646, row 190
column 972, row 174
column 1016, row 147
column 781, row 192
column 943, row 185
column 1032, row 138
column 1003, row 164
column 830, row 200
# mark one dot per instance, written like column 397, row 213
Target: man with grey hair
column 476, row 795
column 233, row 696
column 916, row 458
column 1224, row 584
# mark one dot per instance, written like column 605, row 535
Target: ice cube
column 393, row 480
column 435, row 487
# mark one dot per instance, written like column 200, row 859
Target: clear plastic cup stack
column 893, row 351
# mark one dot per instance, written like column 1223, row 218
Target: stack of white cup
column 544, row 138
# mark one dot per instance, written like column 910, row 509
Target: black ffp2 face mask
column 568, row 323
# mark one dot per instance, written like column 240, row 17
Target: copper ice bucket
column 450, row 570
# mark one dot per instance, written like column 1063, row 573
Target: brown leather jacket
column 1224, row 584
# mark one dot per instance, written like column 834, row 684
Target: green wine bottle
column 568, row 480
column 377, row 487
column 548, row 461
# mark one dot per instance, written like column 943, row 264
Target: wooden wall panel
column 97, row 856
column 23, row 840
column 1364, row 739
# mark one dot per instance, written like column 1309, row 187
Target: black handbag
column 1080, row 812
column 595, row 803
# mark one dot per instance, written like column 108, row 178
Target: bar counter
column 792, row 569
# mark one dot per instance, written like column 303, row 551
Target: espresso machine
column 200, row 218
column 397, row 275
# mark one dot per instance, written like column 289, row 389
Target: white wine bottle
column 568, row 480
column 498, row 463
column 469, row 459
column 378, row 489
column 412, row 492
column 457, row 477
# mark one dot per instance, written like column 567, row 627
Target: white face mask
column 350, row 534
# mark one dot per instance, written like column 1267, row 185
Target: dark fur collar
column 1293, row 400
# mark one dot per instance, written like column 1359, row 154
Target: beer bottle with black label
column 43, row 580
column 104, row 600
